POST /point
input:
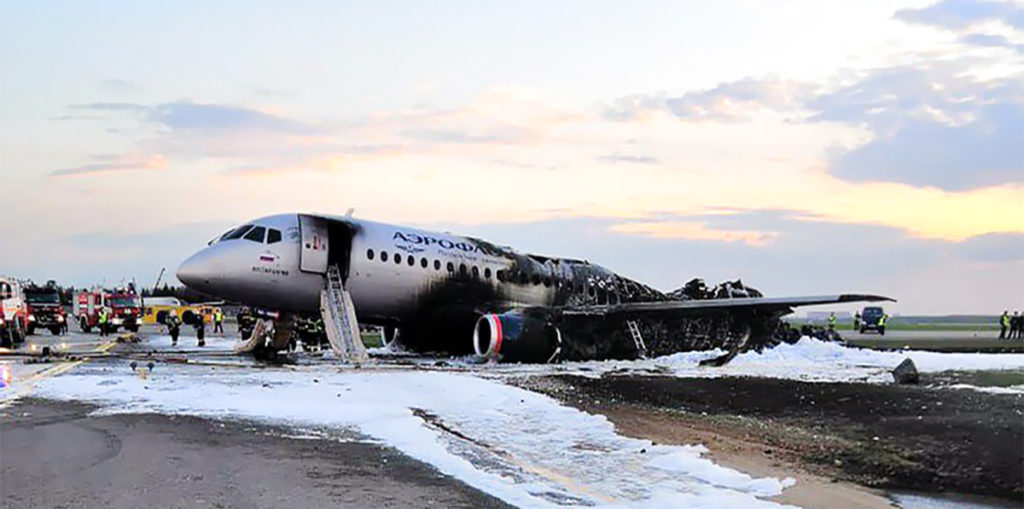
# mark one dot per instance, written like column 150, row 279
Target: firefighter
column 881, row 323
column 104, row 316
column 246, row 322
column 200, row 326
column 173, row 325
column 1004, row 324
column 832, row 321
column 218, row 321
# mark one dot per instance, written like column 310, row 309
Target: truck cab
column 125, row 311
column 13, row 312
column 45, row 309
column 871, row 320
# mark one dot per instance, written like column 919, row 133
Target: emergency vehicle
column 125, row 310
column 45, row 308
column 14, row 312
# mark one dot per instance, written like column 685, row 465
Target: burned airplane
column 438, row 292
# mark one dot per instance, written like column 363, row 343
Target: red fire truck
column 45, row 309
column 124, row 307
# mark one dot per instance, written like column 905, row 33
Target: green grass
column 983, row 344
column 896, row 324
column 371, row 339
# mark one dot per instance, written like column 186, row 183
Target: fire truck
column 125, row 309
column 45, row 308
column 13, row 314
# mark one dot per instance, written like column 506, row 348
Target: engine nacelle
column 516, row 337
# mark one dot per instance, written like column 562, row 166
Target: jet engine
column 515, row 336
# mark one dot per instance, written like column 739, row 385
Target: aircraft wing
column 704, row 306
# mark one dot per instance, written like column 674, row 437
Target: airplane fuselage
column 397, row 275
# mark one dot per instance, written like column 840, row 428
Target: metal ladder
column 340, row 319
column 638, row 340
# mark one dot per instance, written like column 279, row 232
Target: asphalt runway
column 56, row 455
column 935, row 340
column 65, row 457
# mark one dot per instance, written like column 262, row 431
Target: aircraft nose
column 198, row 271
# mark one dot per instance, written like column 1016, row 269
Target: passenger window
column 423, row 262
column 462, row 269
column 256, row 234
column 451, row 268
column 487, row 273
column 237, row 232
column 476, row 273
column 398, row 259
column 437, row 264
column 273, row 236
column 383, row 256
column 369, row 254
column 411, row 260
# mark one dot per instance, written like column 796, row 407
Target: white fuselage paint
column 269, row 275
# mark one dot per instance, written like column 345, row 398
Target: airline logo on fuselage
column 416, row 239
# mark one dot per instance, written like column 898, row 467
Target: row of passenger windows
column 253, row 233
column 463, row 270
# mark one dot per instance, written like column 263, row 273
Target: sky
column 807, row 147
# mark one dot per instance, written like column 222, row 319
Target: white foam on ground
column 809, row 359
column 520, row 446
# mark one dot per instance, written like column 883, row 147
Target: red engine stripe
column 497, row 327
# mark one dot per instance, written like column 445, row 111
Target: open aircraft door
column 314, row 244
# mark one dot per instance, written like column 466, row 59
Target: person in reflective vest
column 218, row 321
column 881, row 323
column 103, row 319
column 1004, row 324
column 832, row 321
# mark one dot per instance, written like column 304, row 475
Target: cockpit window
column 256, row 234
column 273, row 236
column 237, row 232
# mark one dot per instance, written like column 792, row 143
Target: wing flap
column 696, row 307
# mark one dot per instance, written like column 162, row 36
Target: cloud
column 110, row 164
column 118, row 86
column 626, row 158
column 489, row 134
column 988, row 151
column 931, row 125
column 691, row 230
column 734, row 101
column 993, row 247
column 960, row 14
column 189, row 116
column 992, row 41
column 930, row 122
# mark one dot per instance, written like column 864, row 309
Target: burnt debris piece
column 906, row 373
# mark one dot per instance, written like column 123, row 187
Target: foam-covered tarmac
column 450, row 419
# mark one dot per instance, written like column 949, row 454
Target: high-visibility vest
column 1006, row 320
column 103, row 317
column 218, row 316
column 831, row 320
column 881, row 321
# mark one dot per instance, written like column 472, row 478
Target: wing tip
column 854, row 297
